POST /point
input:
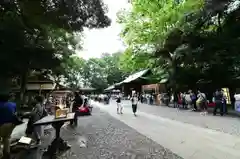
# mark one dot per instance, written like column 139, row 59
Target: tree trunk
column 172, row 72
column 23, row 84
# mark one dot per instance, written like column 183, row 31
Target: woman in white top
column 134, row 100
column 119, row 105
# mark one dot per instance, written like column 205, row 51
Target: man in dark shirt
column 218, row 100
column 7, row 111
column 77, row 102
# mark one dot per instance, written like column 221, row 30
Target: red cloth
column 83, row 109
column 211, row 104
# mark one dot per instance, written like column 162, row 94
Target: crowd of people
column 187, row 100
column 199, row 101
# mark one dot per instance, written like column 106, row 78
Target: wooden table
column 58, row 144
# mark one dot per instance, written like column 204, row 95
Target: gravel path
column 108, row 138
column 100, row 136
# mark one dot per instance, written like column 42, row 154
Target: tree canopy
column 97, row 73
column 191, row 41
column 41, row 34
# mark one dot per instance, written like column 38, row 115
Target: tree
column 98, row 73
column 36, row 35
column 112, row 65
column 188, row 47
column 157, row 27
column 131, row 61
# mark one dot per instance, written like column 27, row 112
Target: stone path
column 187, row 140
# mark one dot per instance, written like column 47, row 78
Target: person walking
column 38, row 113
column 119, row 105
column 7, row 119
column 202, row 102
column 189, row 102
column 77, row 102
column 184, row 103
column 218, row 96
column 224, row 101
column 175, row 100
column 134, row 101
column 194, row 99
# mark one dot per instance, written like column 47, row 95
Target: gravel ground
column 108, row 138
column 102, row 137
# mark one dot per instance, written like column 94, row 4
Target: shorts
column 119, row 105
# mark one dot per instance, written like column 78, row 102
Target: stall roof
column 129, row 79
column 164, row 80
column 113, row 86
column 110, row 88
column 135, row 76
column 87, row 89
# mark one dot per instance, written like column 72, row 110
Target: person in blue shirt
column 7, row 111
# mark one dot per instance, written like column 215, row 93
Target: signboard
column 59, row 99
column 227, row 95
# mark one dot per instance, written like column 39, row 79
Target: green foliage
column 131, row 62
column 98, row 73
column 193, row 40
column 151, row 22
column 37, row 35
column 156, row 27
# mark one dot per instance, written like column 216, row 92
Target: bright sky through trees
column 107, row 40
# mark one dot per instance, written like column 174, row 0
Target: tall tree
column 152, row 26
column 198, row 45
column 37, row 34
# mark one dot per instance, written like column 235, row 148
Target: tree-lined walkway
column 187, row 140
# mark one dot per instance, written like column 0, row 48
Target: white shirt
column 201, row 96
column 188, row 98
column 134, row 100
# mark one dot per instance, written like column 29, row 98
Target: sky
column 107, row 40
